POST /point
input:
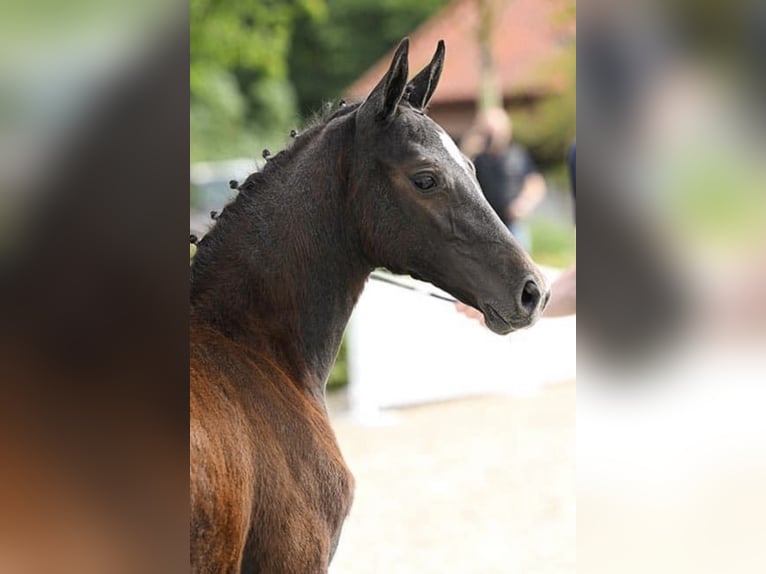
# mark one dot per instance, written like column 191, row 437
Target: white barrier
column 406, row 349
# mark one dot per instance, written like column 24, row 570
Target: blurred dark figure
column 563, row 300
column 508, row 177
column 94, row 405
column 572, row 169
column 646, row 301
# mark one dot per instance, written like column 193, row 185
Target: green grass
column 553, row 244
column 339, row 374
column 719, row 202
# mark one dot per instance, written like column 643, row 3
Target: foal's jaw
column 491, row 272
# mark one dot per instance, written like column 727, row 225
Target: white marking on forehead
column 452, row 149
column 457, row 155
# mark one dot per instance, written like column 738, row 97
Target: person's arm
column 473, row 142
column 563, row 295
column 469, row 311
column 531, row 195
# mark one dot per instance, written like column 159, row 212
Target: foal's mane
column 314, row 125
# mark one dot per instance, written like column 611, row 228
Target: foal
column 272, row 288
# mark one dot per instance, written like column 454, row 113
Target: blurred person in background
column 506, row 173
column 563, row 299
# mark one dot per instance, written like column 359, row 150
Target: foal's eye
column 424, row 181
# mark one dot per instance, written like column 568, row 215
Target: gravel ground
column 483, row 485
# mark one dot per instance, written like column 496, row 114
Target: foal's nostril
column 530, row 297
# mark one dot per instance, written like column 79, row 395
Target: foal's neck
column 281, row 270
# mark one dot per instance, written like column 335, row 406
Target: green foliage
column 339, row 374
column 246, row 34
column 241, row 96
column 550, row 126
column 553, row 244
column 715, row 196
column 273, row 104
column 217, row 111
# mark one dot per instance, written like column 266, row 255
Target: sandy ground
column 482, row 485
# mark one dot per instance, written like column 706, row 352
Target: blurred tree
column 490, row 95
column 549, row 127
column 240, row 92
column 329, row 53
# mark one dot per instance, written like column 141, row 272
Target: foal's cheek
column 443, row 218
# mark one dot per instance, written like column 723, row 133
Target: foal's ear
column 423, row 86
column 385, row 97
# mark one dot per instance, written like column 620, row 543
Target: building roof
column 528, row 35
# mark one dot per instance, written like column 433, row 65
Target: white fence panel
column 406, row 349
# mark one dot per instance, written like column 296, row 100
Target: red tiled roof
column 528, row 35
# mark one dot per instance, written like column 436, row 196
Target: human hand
column 531, row 194
column 469, row 311
column 519, row 208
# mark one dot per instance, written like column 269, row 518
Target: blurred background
column 671, row 437
column 94, row 408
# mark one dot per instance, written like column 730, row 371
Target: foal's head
column 420, row 211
